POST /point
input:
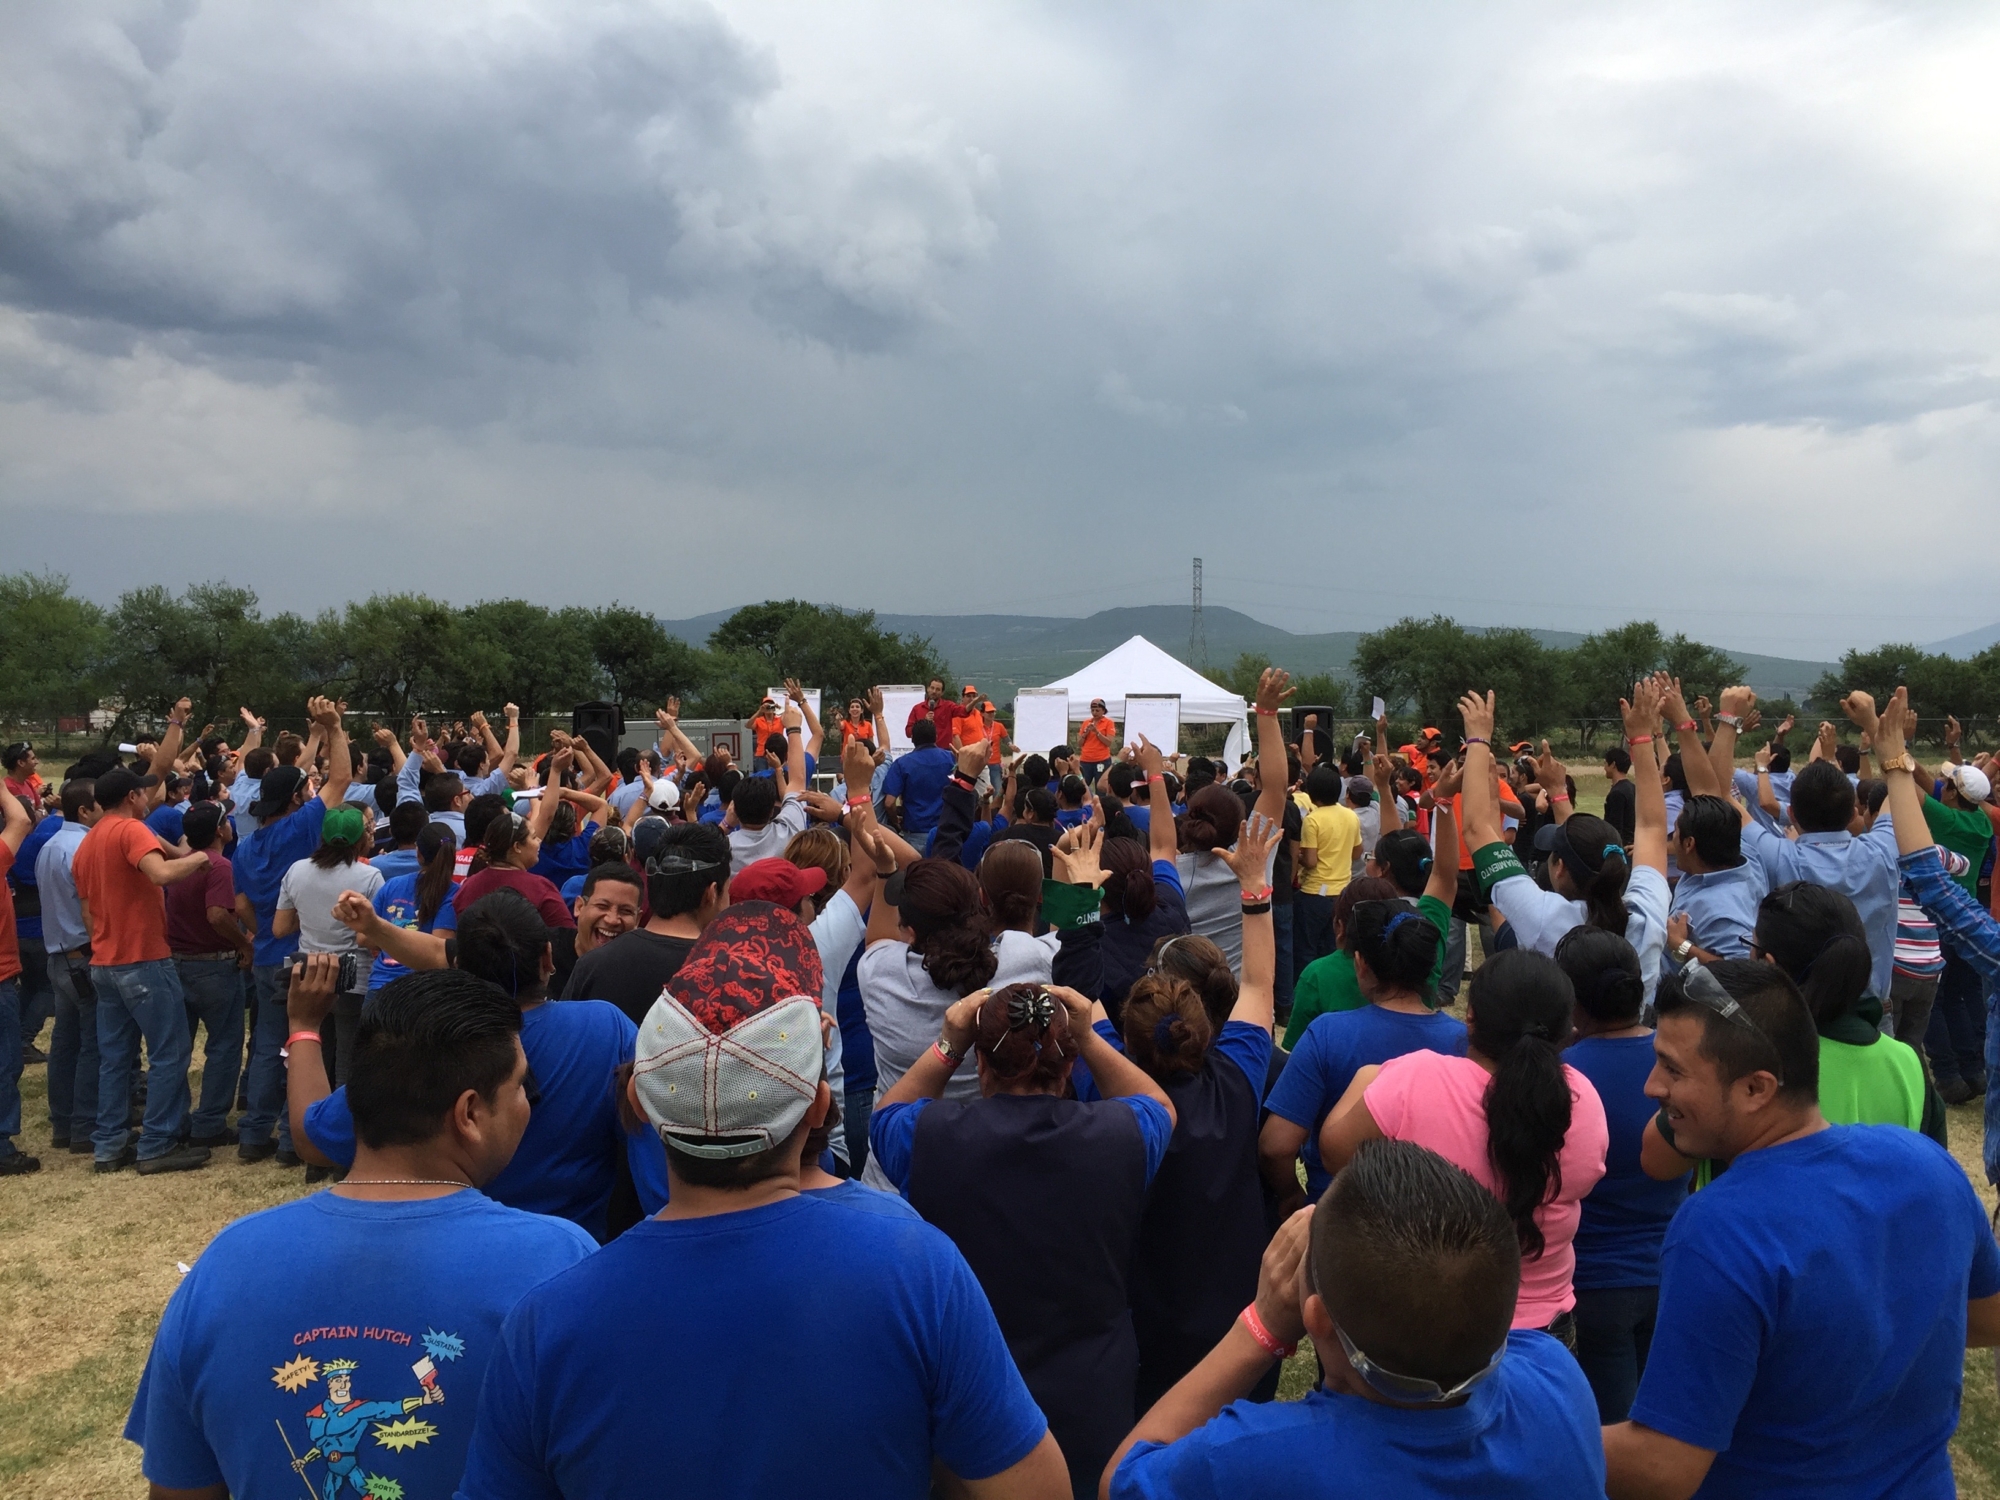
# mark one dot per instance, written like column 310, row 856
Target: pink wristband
column 1264, row 1336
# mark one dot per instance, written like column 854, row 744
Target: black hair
column 1781, row 1041
column 1122, row 777
column 1603, row 970
column 610, row 845
column 1848, row 758
column 941, row 906
column 1416, row 1262
column 384, row 795
column 1822, row 798
column 1602, row 884
column 437, row 858
column 202, row 824
column 1325, row 785
column 756, row 800
column 1074, row 790
column 257, row 763
column 423, row 1041
column 923, row 734
column 617, row 872
column 79, row 796
column 1619, row 759
column 501, row 938
column 1870, row 793
column 1815, row 935
column 1405, row 856
column 1129, row 893
column 480, row 813
column 628, row 763
column 1037, row 800
column 1520, row 1015
column 408, row 821
column 1781, row 757
column 1401, row 958
column 732, row 1174
column 1716, row 828
column 1035, row 770
column 1675, row 773
column 441, row 789
column 675, row 893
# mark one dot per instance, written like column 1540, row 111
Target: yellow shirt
column 1334, row 835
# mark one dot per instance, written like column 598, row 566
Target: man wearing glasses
column 1817, row 1297
column 1406, row 1289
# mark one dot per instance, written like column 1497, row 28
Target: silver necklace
column 402, row 1182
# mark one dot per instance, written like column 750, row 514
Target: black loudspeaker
column 601, row 725
column 1323, row 744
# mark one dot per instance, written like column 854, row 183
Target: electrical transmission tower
column 1197, row 632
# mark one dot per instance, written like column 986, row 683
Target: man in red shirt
column 212, row 955
column 928, row 709
column 1099, row 742
column 121, row 869
column 20, row 764
column 14, row 826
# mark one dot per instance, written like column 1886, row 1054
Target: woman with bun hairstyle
column 1206, row 1041
column 1530, row 1129
column 1815, row 935
column 1625, row 1218
column 1042, row 1194
column 1393, row 947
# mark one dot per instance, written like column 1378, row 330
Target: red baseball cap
column 778, row 881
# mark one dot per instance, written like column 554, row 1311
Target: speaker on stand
column 601, row 725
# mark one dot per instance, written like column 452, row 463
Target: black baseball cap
column 275, row 792
column 115, row 785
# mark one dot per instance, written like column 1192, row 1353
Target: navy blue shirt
column 1625, row 1216
column 919, row 778
column 260, row 864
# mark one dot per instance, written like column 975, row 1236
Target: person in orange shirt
column 767, row 721
column 995, row 733
column 859, row 724
column 121, row 869
column 1099, row 741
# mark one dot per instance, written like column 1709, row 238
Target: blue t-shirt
column 613, row 1378
column 812, row 768
column 562, row 858
column 394, row 862
column 1245, row 1045
column 396, row 904
column 169, row 821
column 22, row 875
column 573, row 887
column 284, row 1303
column 1335, row 1047
column 1529, row 1430
column 857, row 1043
column 892, row 1133
column 260, row 864
column 1071, row 817
column 568, row 1157
column 868, row 1200
column 1626, row 1215
column 1812, row 1317
column 919, row 778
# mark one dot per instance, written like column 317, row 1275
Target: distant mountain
column 1970, row 644
column 1004, row 652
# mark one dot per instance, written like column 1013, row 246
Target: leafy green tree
column 1603, row 667
column 842, row 652
column 401, row 652
column 1243, row 674
column 1704, row 671
column 1939, row 685
column 52, row 647
column 1420, row 666
column 1320, row 687
column 639, row 661
column 514, row 651
column 210, row 645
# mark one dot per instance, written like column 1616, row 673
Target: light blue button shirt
column 63, row 927
column 1862, row 869
column 1721, row 907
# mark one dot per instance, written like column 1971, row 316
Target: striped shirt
column 1918, row 955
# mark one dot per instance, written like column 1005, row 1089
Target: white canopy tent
column 1139, row 666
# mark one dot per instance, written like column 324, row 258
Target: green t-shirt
column 1880, row 1084
column 1963, row 830
column 1328, row 984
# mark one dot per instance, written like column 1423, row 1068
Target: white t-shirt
column 1540, row 918
column 311, row 892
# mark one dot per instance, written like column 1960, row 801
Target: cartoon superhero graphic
column 338, row 1424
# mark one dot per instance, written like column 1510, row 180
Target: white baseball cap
column 1974, row 785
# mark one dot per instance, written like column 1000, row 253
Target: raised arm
column 1274, row 686
column 560, row 759
column 1649, row 834
column 1737, row 704
column 881, row 750
column 406, row 945
column 1162, row 841
column 328, row 718
column 1700, row 772
column 170, row 747
column 1482, row 803
column 1255, row 996
column 1443, row 882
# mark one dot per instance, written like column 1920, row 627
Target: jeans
column 73, row 1055
column 214, row 990
column 10, row 1064
column 1614, row 1330
column 1990, row 1145
column 38, row 1002
column 1910, row 1002
column 1454, row 961
column 1956, row 1038
column 1285, row 981
column 1312, row 929
column 134, row 1001
column 267, row 1069
column 856, row 1105
column 1090, row 770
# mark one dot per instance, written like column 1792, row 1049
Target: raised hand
column 1738, row 701
column 971, row 759
column 1860, row 710
column 1274, row 686
column 1550, row 774
column 1078, row 856
column 250, row 719
column 1477, row 712
column 1449, row 779
column 1149, row 758
column 1252, row 853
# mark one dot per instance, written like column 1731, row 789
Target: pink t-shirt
column 1438, row 1102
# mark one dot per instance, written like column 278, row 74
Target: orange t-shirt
column 1098, row 749
column 10, row 942
column 969, row 727
column 993, row 738
column 761, row 730
column 128, row 913
column 865, row 730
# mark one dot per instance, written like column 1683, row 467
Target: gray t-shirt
column 747, row 845
column 311, row 892
column 906, row 1011
column 1215, row 901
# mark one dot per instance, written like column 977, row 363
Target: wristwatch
column 1734, row 721
column 1683, row 950
column 1903, row 762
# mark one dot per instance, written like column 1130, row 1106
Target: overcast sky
column 1535, row 315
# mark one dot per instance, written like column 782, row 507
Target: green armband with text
column 1493, row 863
column 1067, row 907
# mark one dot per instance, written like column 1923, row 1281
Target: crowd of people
column 1017, row 1115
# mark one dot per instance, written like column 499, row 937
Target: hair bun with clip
column 1030, row 1008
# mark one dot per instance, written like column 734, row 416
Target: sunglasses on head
column 1705, row 990
column 1408, row 1389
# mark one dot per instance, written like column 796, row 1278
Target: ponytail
column 941, row 906
column 1521, row 1004
column 1129, row 892
column 502, row 834
column 1590, row 850
column 437, row 852
column 1023, row 1033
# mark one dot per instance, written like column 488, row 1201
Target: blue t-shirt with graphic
column 877, row 1315
column 562, row 859
column 351, row 1335
column 1625, row 1216
column 568, row 1157
column 396, row 904
column 1336, row 1046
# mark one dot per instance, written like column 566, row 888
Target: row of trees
column 392, row 655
